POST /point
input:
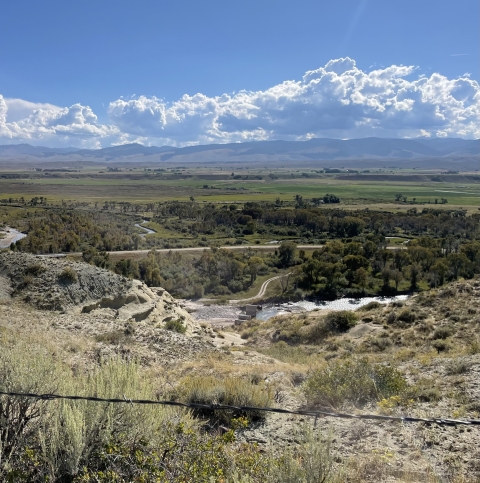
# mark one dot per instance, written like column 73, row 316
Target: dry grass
column 236, row 362
column 355, row 381
column 230, row 391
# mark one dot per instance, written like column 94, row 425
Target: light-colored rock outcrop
column 77, row 287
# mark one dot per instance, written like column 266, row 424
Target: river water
column 12, row 236
column 226, row 314
column 148, row 231
column 269, row 311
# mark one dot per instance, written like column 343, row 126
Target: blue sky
column 98, row 73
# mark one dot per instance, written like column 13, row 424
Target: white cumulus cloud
column 19, row 109
column 338, row 100
column 23, row 121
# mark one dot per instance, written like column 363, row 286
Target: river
column 148, row 231
column 226, row 314
column 269, row 311
column 11, row 236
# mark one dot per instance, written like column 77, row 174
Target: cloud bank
column 338, row 100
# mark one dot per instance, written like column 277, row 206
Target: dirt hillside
column 76, row 287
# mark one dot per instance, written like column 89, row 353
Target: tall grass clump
column 370, row 306
column 291, row 354
column 230, row 391
column 68, row 275
column 311, row 461
column 355, row 381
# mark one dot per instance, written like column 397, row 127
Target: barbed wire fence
column 222, row 407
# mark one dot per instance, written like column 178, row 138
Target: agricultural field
column 142, row 185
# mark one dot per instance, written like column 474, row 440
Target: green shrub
column 441, row 345
column 378, row 343
column 458, row 366
column 406, row 315
column 230, row 391
column 68, row 275
column 35, row 269
column 89, row 442
column 341, row 321
column 334, row 322
column 442, row 333
column 185, row 455
column 474, row 347
column 425, row 390
column 370, row 306
column 317, row 332
column 176, row 325
column 53, row 440
column 355, row 381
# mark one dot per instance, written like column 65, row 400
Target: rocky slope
column 75, row 287
column 433, row 339
column 94, row 313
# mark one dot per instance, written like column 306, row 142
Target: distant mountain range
column 14, row 150
column 314, row 149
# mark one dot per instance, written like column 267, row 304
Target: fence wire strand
column 220, row 407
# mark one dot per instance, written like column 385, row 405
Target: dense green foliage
column 217, row 271
column 307, row 222
column 60, row 230
column 112, row 227
column 358, row 266
column 365, row 264
column 355, row 258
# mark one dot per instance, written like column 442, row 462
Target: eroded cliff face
column 77, row 287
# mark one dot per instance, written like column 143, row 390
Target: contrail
column 354, row 22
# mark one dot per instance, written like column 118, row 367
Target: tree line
column 361, row 266
column 216, row 271
column 61, row 230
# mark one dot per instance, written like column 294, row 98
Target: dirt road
column 262, row 291
column 200, row 249
column 192, row 249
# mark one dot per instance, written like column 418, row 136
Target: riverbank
column 226, row 314
column 346, row 303
column 11, row 236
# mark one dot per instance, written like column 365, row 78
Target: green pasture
column 152, row 190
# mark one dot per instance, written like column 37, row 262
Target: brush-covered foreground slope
column 419, row 358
